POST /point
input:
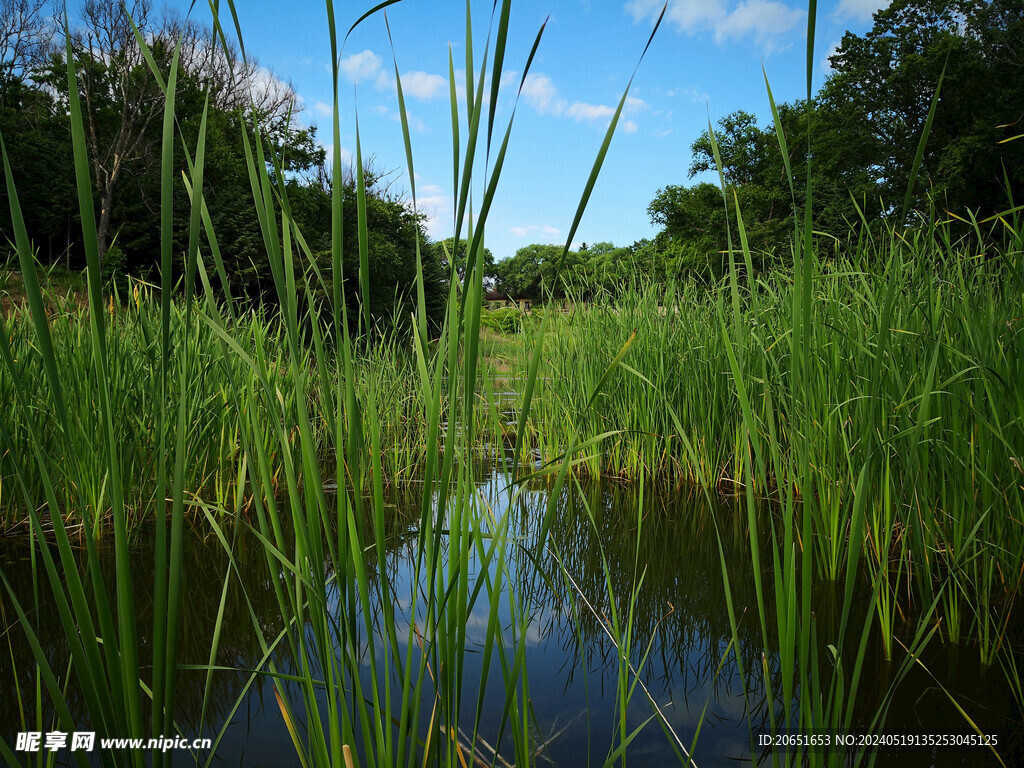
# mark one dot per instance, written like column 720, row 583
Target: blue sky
column 705, row 61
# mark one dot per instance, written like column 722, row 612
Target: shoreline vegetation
column 931, row 389
column 869, row 390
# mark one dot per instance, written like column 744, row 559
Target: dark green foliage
column 883, row 84
column 866, row 124
column 602, row 270
column 694, row 218
column 446, row 251
column 122, row 108
column 39, row 146
column 393, row 231
column 531, row 273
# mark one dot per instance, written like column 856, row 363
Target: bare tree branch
column 25, row 37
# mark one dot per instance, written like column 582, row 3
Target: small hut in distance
column 501, row 300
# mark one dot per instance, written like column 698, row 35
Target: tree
column 122, row 102
column 694, row 219
column 120, row 98
column 39, row 150
column 744, row 148
column 883, row 83
column 235, row 85
column 865, row 127
column 122, row 106
column 37, row 141
column 520, row 274
column 393, row 233
column 25, row 36
column 606, row 269
column 446, row 253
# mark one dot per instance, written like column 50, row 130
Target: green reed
column 868, row 391
column 911, row 359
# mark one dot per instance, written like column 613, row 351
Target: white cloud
column 322, row 109
column 347, row 157
column 629, row 127
column 540, row 93
column 526, row 230
column 580, row 110
column 367, row 67
column 826, row 65
column 362, row 67
column 687, row 15
column 415, row 123
column 634, row 104
column 697, row 97
column 437, row 205
column 509, row 79
column 766, row 21
column 860, row 9
column 422, row 85
column 269, row 93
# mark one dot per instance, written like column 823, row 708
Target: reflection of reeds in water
column 671, row 544
column 210, row 608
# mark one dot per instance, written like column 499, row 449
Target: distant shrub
column 113, row 269
column 507, row 320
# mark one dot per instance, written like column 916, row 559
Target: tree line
column 866, row 124
column 865, row 127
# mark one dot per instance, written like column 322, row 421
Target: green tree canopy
column 446, row 252
column 865, row 127
column 122, row 112
column 882, row 86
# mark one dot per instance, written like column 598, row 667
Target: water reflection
column 605, row 539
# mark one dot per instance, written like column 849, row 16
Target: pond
column 607, row 536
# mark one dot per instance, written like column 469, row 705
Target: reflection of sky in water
column 572, row 676
column 680, row 637
column 572, row 668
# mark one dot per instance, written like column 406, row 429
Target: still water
column 607, row 536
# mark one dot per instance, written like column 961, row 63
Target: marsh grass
column 907, row 407
column 868, row 392
column 151, row 404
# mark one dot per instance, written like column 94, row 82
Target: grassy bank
column 202, row 382
column 912, row 362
